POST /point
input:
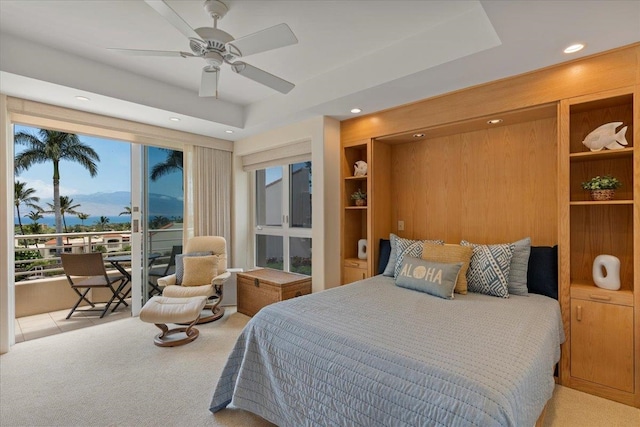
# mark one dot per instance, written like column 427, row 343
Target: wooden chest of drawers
column 258, row 288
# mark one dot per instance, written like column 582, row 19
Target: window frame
column 285, row 231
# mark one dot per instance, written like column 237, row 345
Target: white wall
column 7, row 297
column 324, row 134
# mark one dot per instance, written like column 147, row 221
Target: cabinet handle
column 579, row 313
column 600, row 297
column 354, row 264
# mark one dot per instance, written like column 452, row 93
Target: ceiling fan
column 217, row 47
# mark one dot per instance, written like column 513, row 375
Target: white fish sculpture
column 360, row 168
column 605, row 136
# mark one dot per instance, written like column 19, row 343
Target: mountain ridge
column 113, row 203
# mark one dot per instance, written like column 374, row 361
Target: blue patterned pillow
column 407, row 247
column 489, row 269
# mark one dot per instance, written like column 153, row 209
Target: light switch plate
column 400, row 225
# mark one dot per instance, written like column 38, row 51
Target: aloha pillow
column 407, row 247
column 199, row 270
column 180, row 263
column 451, row 254
column 489, row 269
column 433, row 278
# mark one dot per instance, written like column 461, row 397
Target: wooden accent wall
column 487, row 186
column 466, row 180
column 609, row 70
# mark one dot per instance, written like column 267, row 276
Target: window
column 283, row 217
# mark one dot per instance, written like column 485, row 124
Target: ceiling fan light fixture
column 218, row 47
column 209, row 81
column 574, row 48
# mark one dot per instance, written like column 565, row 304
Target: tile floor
column 42, row 325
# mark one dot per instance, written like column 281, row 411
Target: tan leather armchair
column 204, row 271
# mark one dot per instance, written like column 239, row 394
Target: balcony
column 43, row 296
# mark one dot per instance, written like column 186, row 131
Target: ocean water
column 72, row 220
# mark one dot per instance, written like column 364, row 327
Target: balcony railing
column 37, row 255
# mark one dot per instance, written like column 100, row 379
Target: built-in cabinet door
column 602, row 343
column 353, row 274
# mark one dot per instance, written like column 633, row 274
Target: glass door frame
column 138, row 229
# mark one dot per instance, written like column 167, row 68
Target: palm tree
column 34, row 227
column 82, row 217
column 102, row 222
column 127, row 211
column 172, row 163
column 66, row 206
column 53, row 146
column 24, row 196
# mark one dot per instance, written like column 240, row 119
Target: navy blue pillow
column 385, row 252
column 542, row 274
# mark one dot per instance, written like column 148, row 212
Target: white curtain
column 207, row 193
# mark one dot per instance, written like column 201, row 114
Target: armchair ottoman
column 162, row 310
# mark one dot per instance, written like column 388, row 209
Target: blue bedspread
column 373, row 354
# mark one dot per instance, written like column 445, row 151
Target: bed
column 375, row 354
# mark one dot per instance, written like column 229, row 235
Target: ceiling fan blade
column 262, row 77
column 209, row 82
column 267, row 39
column 172, row 17
column 138, row 52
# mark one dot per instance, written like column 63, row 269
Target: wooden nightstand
column 354, row 269
column 258, row 288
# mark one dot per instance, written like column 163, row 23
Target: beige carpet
column 112, row 375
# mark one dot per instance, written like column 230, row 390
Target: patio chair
column 200, row 271
column 162, row 271
column 86, row 272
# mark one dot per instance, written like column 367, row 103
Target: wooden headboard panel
column 494, row 185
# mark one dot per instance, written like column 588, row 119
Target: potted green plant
column 359, row 197
column 602, row 187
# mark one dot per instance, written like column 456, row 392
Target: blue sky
column 113, row 171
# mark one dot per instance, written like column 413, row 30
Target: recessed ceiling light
column 174, row 119
column 356, row 110
column 418, row 135
column 82, row 98
column 494, row 121
column 574, row 48
column 229, row 131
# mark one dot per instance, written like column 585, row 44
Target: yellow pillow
column 451, row 254
column 199, row 270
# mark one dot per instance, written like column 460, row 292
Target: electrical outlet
column 400, row 225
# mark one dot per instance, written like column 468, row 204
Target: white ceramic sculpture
column 362, row 248
column 605, row 136
column 360, row 168
column 611, row 277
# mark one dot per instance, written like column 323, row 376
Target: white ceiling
column 369, row 54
